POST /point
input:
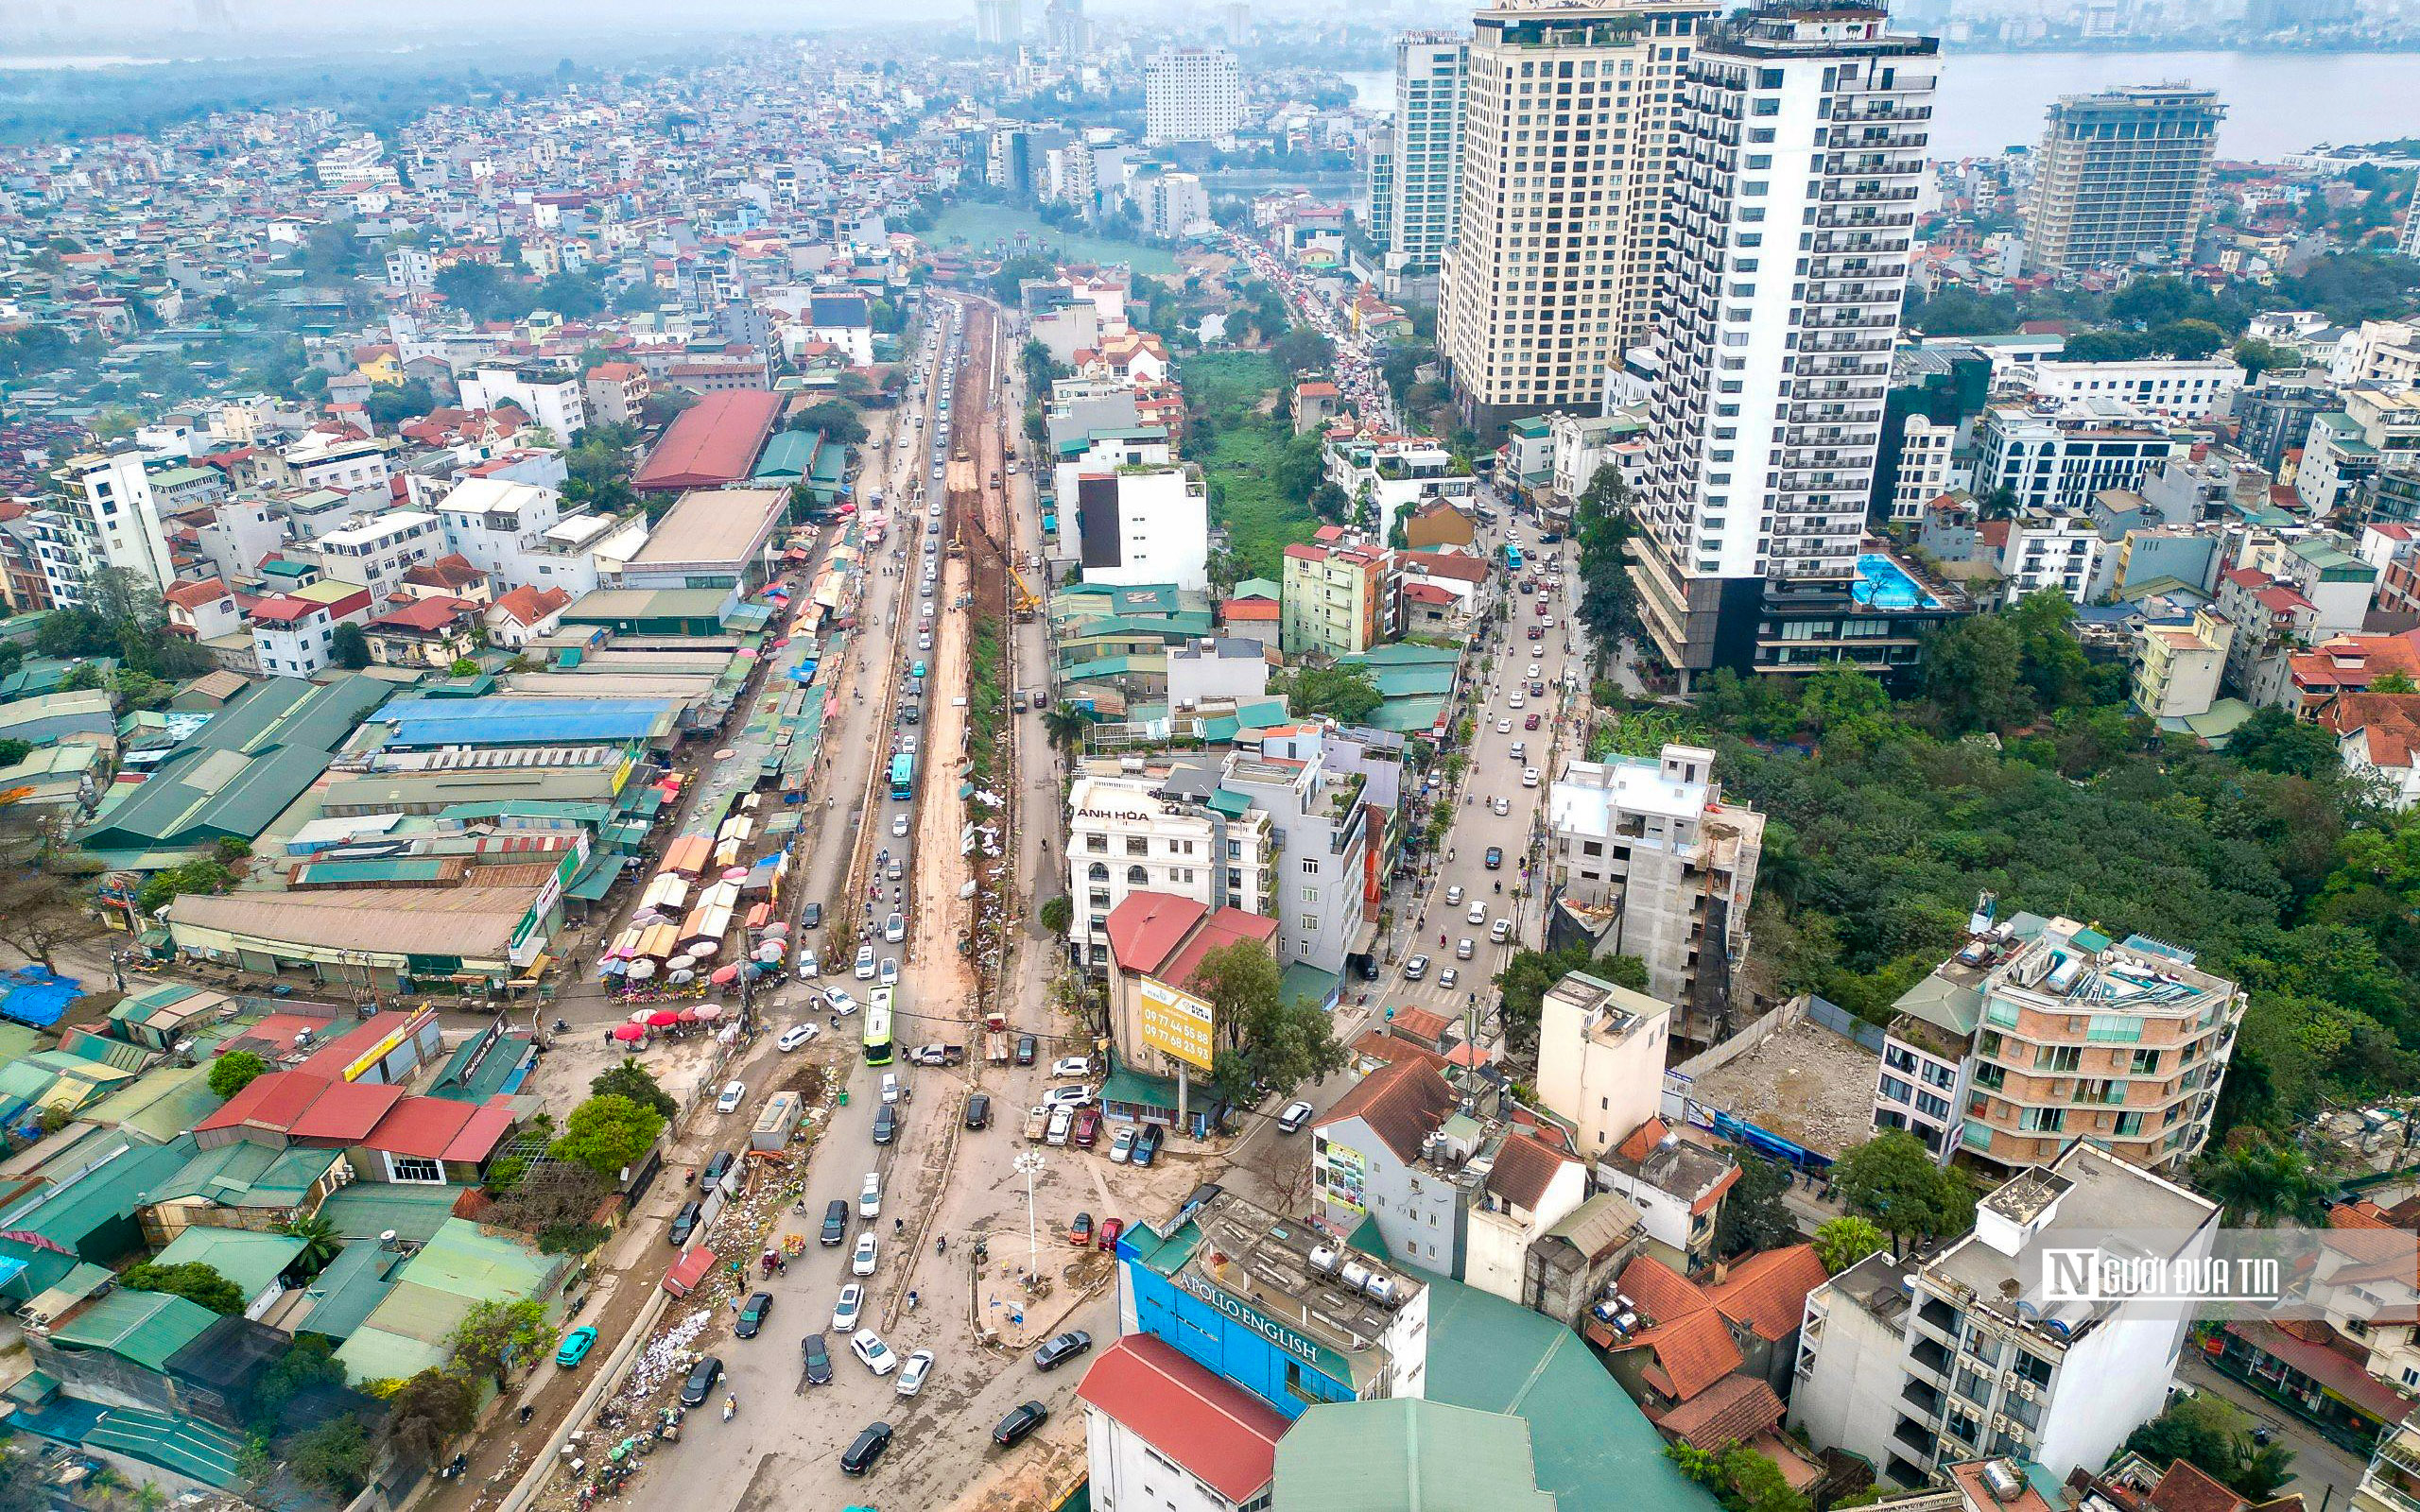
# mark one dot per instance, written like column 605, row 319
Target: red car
column 1110, row 1229
column 1079, row 1234
column 1541, row 607
column 1537, row 632
column 1530, row 722
column 1087, row 1127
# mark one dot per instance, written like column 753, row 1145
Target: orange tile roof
column 1402, row 1103
column 1691, row 1354
column 1767, row 1292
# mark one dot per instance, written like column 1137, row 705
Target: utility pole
column 1029, row 1164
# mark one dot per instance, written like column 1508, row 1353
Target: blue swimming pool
column 1885, row 584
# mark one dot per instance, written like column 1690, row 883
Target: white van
column 1062, row 1120
column 891, row 1085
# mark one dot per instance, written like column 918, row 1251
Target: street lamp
column 1029, row 1164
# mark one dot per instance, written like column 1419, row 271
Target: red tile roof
column 1234, row 610
column 284, row 609
column 1690, row 1354
column 1146, row 928
column 1403, row 1103
column 714, row 441
column 1227, row 926
column 528, row 606
column 432, row 614
column 1220, row 1432
column 1733, row 1410
column 345, row 1112
column 1767, row 1292
column 194, row 596
column 1523, row 1169
column 1660, row 1293
column 273, row 1101
column 2186, row 1487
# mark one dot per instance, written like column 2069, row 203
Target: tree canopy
column 1260, row 1037
column 608, row 1134
column 234, row 1071
column 1891, row 1180
column 197, row 1281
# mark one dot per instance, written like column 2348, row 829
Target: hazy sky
column 266, row 20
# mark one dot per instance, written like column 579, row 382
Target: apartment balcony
column 1924, row 1396
column 1914, row 1436
column 1842, row 346
column 1860, row 136
column 1888, row 112
column 1834, row 219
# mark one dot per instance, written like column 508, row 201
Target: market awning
column 591, row 884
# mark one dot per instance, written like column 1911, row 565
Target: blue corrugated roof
column 508, row 721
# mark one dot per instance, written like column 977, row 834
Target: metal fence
column 1841, row 1022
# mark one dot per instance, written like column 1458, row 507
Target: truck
column 938, row 1056
column 996, row 1038
column 1037, row 1122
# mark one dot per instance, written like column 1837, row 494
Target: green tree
column 1347, row 694
column 2190, row 340
column 628, row 1078
column 21, row 1484
column 1970, row 674
column 1261, row 1038
column 2397, row 681
column 839, row 419
column 428, row 1413
column 608, row 1135
column 12, row 751
column 234, row 1071
column 497, row 1336
column 322, row 1242
column 195, row 1281
column 1066, row 726
column 1754, row 1216
column 2275, row 741
column 350, row 648
column 1842, row 1242
column 2256, row 356
column 1891, row 1178
column 305, row 1378
column 1057, row 912
column 2262, row 1183
column 202, row 875
column 332, row 1457
column 2214, row 1436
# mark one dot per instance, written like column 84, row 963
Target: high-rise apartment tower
column 1191, row 94
column 2121, row 178
column 1564, row 181
column 1430, row 71
column 1802, row 128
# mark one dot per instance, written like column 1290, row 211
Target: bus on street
column 878, row 1028
column 903, row 777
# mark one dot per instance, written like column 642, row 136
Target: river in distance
column 2277, row 103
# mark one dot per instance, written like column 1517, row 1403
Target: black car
column 886, row 1124
column 1026, row 1049
column 836, row 1221
column 1061, row 1348
column 1494, row 857
column 979, row 1110
column 752, row 1316
column 811, row 916
column 685, row 1223
column 862, row 1456
column 818, row 1360
column 700, row 1383
column 1147, row 1145
column 1022, row 1419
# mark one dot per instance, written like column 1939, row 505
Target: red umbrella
column 726, row 976
column 662, row 1018
column 629, row 1033
column 689, row 1015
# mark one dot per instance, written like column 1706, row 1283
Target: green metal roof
column 253, row 1261
column 100, row 1190
column 461, row 1264
column 1405, row 1455
column 143, row 1328
column 163, row 1103
column 343, row 1295
column 1596, row 1451
column 367, row 1209
column 248, row 1176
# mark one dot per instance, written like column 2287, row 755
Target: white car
column 890, row 1087
column 1500, row 931
column 734, row 1093
column 870, row 1196
column 840, row 1003
column 925, row 640
column 1462, row 948
column 1534, row 670
column 1071, row 1066
column 1529, row 777
column 809, row 965
column 1449, row 978
column 912, row 1374
column 1504, row 727
column 1294, row 1117
column 852, row 1306
column 1500, row 804
column 890, row 974
column 872, row 1352
column 861, row 1263
column 894, row 928
column 1121, row 1146
column 1477, row 913
column 1514, row 702
column 1454, row 896
column 1520, row 751
column 798, row 1037
column 899, row 824
column 865, row 963
column 1066, row 1097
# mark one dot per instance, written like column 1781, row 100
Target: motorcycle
column 729, row 1405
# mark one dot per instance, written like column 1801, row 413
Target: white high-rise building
column 998, row 23
column 1191, row 94
column 1804, row 129
column 1426, row 187
column 1553, row 271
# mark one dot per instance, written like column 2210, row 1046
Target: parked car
column 752, row 1315
column 1061, row 1348
column 575, row 1347
column 836, row 1221
column 1026, row 1049
column 734, row 1093
column 886, row 1124
column 1110, row 1229
column 1500, row 931
column 848, row 1309
column 1416, row 968
column 1063, row 1122
column 872, row 1352
column 870, row 1196
column 1147, row 1145
column 685, row 1223
column 1022, row 1419
column 798, row 1037
column 912, row 1374
column 890, row 1087
column 862, row 1261
column 700, row 1383
column 865, row 965
column 1294, row 1117
column 1079, row 1234
column 1071, row 1066
column 1121, row 1145
column 840, row 1001
column 810, row 966
column 818, row 1359
column 866, row 1451
column 1066, row 1097
column 1087, row 1127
